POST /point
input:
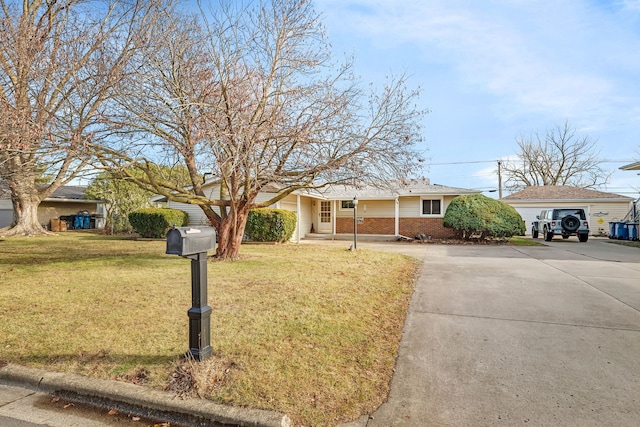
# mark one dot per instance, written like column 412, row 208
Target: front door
column 325, row 224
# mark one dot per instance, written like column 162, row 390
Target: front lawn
column 309, row 331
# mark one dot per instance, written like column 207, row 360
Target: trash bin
column 622, row 231
column 612, row 230
column 633, row 230
column 67, row 221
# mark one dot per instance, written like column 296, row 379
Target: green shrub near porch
column 155, row 222
column 270, row 225
column 478, row 215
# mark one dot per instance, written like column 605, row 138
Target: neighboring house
column 6, row 207
column 409, row 209
column 601, row 207
column 65, row 201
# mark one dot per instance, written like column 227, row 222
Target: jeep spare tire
column 570, row 223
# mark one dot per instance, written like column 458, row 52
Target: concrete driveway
column 501, row 335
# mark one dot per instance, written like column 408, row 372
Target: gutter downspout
column 334, row 211
column 397, row 217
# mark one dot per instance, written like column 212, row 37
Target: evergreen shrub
column 270, row 225
column 155, row 222
column 476, row 215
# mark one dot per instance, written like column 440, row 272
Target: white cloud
column 493, row 70
column 564, row 59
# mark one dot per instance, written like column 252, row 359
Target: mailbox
column 193, row 243
column 185, row 241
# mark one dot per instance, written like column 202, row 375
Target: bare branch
column 559, row 157
column 59, row 63
column 249, row 94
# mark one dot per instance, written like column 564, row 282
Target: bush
column 478, row 215
column 270, row 225
column 155, row 222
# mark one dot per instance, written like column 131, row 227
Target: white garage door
column 6, row 215
column 529, row 215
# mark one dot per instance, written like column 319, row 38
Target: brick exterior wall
column 409, row 227
column 433, row 227
column 370, row 226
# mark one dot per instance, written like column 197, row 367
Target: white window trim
column 440, row 215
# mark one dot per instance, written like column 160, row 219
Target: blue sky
column 491, row 71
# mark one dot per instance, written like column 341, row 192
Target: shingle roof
column 69, row 192
column 414, row 187
column 559, row 192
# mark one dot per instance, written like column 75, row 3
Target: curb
column 137, row 400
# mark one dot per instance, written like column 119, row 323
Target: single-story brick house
column 407, row 209
column 66, row 200
column 601, row 207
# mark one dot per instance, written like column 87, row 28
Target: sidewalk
column 24, row 393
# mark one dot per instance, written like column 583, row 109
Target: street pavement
column 495, row 335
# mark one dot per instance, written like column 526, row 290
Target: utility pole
column 499, row 180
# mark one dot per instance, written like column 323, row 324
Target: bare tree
column 559, row 157
column 59, row 61
column 249, row 96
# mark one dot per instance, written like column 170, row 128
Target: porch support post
column 397, row 216
column 334, row 211
column 298, row 227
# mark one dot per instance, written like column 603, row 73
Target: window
column 431, row 207
column 346, row 204
column 325, row 212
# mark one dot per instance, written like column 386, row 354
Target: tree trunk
column 25, row 199
column 230, row 233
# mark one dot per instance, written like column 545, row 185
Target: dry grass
column 630, row 243
column 305, row 330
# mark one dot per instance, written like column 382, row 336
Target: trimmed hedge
column 482, row 216
column 270, row 225
column 155, row 222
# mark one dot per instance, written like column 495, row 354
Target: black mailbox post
column 193, row 243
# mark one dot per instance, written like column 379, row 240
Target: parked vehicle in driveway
column 564, row 222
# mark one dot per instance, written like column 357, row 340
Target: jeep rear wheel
column 548, row 235
column 570, row 223
column 583, row 237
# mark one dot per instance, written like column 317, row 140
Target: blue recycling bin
column 612, row 230
column 633, row 230
column 622, row 231
column 74, row 221
column 81, row 221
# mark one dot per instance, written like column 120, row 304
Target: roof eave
column 631, row 167
column 54, row 199
column 600, row 200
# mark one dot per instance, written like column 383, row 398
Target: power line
column 515, row 161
